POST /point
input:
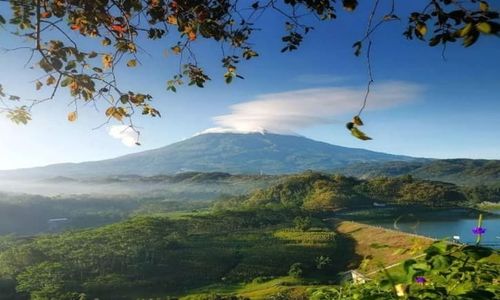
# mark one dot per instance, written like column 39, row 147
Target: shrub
column 296, row 270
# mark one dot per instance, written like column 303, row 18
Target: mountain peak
column 259, row 130
column 250, row 152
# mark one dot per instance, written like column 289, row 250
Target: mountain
column 224, row 152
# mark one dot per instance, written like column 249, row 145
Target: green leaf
column 359, row 134
column 357, row 48
column 441, row 262
column 420, row 30
column 476, row 252
column 439, row 247
column 470, row 39
column 408, row 263
column 70, row 65
column 38, row 85
column 124, row 98
column 484, row 6
column 132, row 63
column 464, row 31
column 421, row 266
column 484, row 27
column 357, row 121
column 66, row 81
column 45, row 65
column 106, row 42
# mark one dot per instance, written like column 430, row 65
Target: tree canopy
column 122, row 26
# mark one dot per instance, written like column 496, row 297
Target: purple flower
column 478, row 230
column 420, row 280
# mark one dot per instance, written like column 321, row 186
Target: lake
column 448, row 227
column 442, row 224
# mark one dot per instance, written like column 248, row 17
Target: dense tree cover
column 466, row 172
column 123, row 26
column 29, row 214
column 111, row 199
column 270, row 233
column 163, row 255
column 322, row 192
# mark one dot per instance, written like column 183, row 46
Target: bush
column 302, row 223
column 296, row 270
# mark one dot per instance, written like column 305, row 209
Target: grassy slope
column 385, row 246
column 380, row 247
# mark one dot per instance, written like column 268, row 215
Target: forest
column 284, row 234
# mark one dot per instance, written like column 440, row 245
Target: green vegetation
column 466, row 172
column 111, row 199
column 279, row 242
column 194, row 191
column 320, row 193
column 140, row 254
column 447, row 272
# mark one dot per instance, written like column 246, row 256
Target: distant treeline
column 323, row 192
column 29, row 214
column 466, row 172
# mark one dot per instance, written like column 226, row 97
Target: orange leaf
column 192, row 35
column 72, row 116
column 118, row 28
column 172, row 20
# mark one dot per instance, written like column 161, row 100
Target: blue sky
column 425, row 106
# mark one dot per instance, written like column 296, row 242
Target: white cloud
column 124, row 133
column 289, row 111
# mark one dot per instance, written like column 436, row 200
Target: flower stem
column 479, row 223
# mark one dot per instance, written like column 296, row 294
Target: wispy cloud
column 124, row 133
column 289, row 111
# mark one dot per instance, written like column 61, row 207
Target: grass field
column 358, row 246
column 380, row 247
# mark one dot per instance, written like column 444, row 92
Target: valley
column 242, row 216
column 217, row 236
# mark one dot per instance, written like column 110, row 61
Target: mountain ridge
column 237, row 153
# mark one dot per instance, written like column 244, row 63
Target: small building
column 378, row 204
column 353, row 276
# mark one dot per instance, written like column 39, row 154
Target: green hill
column 459, row 171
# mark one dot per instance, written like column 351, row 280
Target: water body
column 446, row 224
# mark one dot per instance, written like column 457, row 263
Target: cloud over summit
column 293, row 110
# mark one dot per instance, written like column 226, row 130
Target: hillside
column 458, row 171
column 258, row 153
column 222, row 152
column 319, row 192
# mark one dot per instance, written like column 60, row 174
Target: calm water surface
column 448, row 228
